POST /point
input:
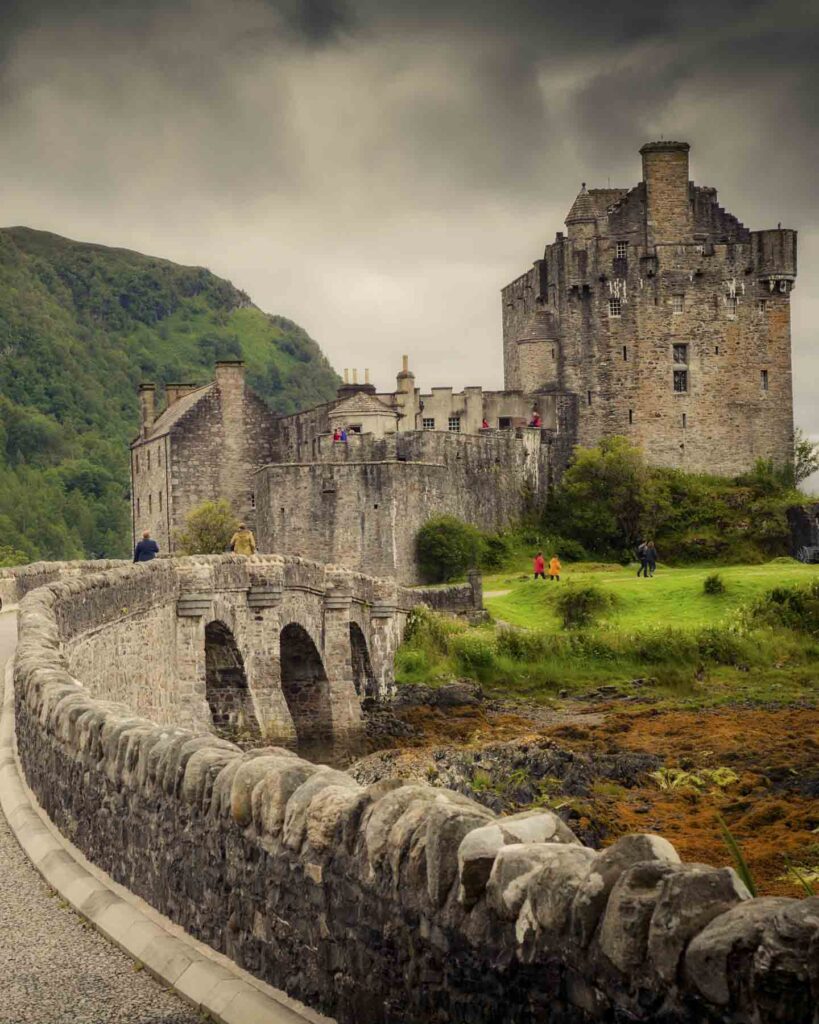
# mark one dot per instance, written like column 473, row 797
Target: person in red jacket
column 540, row 566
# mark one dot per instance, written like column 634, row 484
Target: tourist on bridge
column 540, row 566
column 554, row 568
column 243, row 542
column 147, row 549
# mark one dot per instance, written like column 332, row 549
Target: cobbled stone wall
column 397, row 902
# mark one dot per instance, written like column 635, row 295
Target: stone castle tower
column 666, row 317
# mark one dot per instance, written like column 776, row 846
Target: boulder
column 295, row 818
column 247, row 777
column 785, row 968
column 270, row 796
column 624, row 931
column 517, row 865
column 447, row 825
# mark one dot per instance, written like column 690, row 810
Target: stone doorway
column 363, row 675
column 226, row 689
column 305, row 685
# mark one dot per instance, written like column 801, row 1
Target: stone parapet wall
column 396, row 902
column 17, row 581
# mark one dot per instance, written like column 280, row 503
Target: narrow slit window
column 684, row 421
column 150, row 504
column 615, row 307
column 160, row 501
column 630, row 416
column 428, row 423
column 553, row 352
column 680, row 381
column 625, row 353
column 137, row 508
column 136, row 465
column 588, row 398
column 455, row 424
column 148, row 456
column 762, row 305
column 716, row 350
column 678, row 303
column 252, row 499
column 763, row 379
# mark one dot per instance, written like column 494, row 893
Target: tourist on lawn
column 540, row 566
column 243, row 542
column 651, row 558
column 643, row 560
column 554, row 568
column 146, row 549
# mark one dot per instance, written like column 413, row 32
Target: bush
column 795, row 608
column 495, row 551
column 208, row 529
column 720, row 645
column 520, row 645
column 581, row 604
column 445, row 548
column 713, row 584
column 475, row 651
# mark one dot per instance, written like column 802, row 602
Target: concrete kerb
column 210, row 981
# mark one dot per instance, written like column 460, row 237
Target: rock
column 326, row 815
column 625, row 926
column 478, row 849
column 723, row 950
column 785, row 968
column 247, row 777
column 691, row 897
column 543, row 924
column 448, row 824
column 378, row 820
column 270, row 796
column 200, row 771
column 516, row 866
column 295, row 818
column 593, row 894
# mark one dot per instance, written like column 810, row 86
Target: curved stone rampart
column 394, row 902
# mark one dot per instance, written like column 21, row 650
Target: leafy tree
column 446, row 548
column 208, row 528
column 805, row 456
column 11, row 556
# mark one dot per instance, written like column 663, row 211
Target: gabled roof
column 363, row 403
column 170, row 417
column 593, row 203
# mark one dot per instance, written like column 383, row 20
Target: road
column 53, row 968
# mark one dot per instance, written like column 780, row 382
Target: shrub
column 520, row 645
column 495, row 551
column 720, row 645
column 713, row 584
column 581, row 604
column 795, row 608
column 475, row 651
column 208, row 528
column 445, row 548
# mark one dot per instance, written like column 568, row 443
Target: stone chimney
column 147, row 407
column 406, row 378
column 668, row 202
column 230, row 373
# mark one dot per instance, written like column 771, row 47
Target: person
column 535, row 420
column 641, row 557
column 336, row 435
column 243, row 542
column 343, row 435
column 484, row 424
column 554, row 568
column 146, row 549
column 540, row 566
column 651, row 558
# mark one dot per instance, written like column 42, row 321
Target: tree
column 805, row 456
column 446, row 548
column 208, row 529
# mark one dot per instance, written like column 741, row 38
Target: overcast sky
column 378, row 169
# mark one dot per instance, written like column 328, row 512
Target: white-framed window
column 427, row 423
column 678, row 303
column 731, row 303
column 615, row 307
column 454, row 423
column 680, row 381
column 763, row 379
column 762, row 306
column 621, row 250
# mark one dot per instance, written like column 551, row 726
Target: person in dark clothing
column 651, row 558
column 641, row 555
column 146, row 549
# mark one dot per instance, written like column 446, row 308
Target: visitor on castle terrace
column 336, row 435
column 243, row 542
column 484, row 424
column 554, row 568
column 146, row 549
column 535, row 421
column 540, row 566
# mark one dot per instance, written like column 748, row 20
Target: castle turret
column 668, row 201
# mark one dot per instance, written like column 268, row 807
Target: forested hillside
column 80, row 326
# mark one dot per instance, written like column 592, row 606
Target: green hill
column 80, row 326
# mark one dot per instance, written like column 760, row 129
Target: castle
column 657, row 316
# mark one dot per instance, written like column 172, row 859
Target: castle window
column 762, row 305
column 625, row 353
column 136, row 464
column 253, row 499
column 684, row 421
column 678, row 303
column 159, row 456
column 622, row 250
column 680, row 381
column 455, row 424
column 427, row 423
column 150, row 504
column 160, row 501
column 588, row 397
column 148, row 455
column 615, row 307
column 630, row 416
column 680, row 353
column 137, row 508
column 553, row 352
column 716, row 350
column 731, row 302
column 764, row 379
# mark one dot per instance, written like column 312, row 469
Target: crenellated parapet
column 394, row 902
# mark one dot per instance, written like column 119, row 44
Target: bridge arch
column 226, row 690
column 363, row 676
column 305, row 684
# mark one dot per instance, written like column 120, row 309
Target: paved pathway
column 53, row 968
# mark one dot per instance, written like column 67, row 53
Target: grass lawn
column 674, row 597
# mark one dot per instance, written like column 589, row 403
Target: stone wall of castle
column 397, row 902
column 368, row 499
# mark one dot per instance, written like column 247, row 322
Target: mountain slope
column 80, row 326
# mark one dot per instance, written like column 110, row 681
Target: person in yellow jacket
column 554, row 568
column 243, row 542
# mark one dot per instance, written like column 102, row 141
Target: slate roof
column 363, row 403
column 593, row 203
column 170, row 417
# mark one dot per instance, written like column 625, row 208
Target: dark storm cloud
column 379, row 168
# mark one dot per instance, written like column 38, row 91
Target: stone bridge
column 394, row 903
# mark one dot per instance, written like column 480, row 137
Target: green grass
column 673, row 598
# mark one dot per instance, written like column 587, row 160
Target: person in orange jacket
column 540, row 566
column 554, row 568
